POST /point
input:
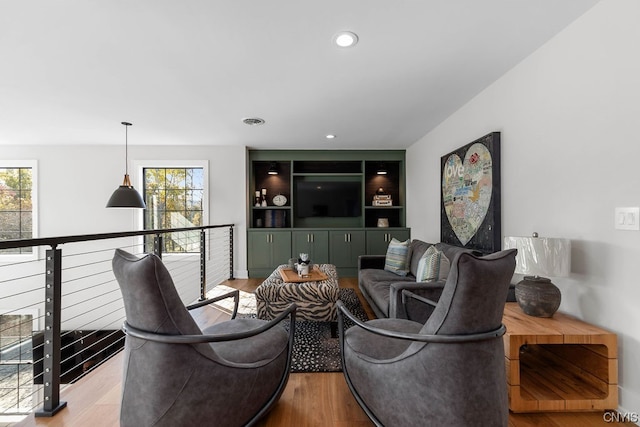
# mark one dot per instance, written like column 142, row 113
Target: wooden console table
column 559, row 363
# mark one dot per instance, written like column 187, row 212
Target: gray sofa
column 383, row 289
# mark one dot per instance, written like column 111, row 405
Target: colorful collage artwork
column 470, row 195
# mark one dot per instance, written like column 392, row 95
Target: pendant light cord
column 126, row 147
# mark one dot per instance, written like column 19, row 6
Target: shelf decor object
column 381, row 198
column 537, row 258
column 126, row 196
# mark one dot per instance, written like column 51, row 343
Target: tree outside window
column 16, row 206
column 174, row 198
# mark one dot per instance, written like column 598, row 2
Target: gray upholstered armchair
column 176, row 374
column 448, row 371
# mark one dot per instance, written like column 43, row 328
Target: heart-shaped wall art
column 466, row 190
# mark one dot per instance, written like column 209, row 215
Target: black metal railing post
column 231, row 253
column 157, row 245
column 52, row 338
column 203, row 265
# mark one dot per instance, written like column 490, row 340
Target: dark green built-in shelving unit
column 277, row 233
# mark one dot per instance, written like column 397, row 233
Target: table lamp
column 538, row 258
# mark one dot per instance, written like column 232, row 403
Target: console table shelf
column 559, row 363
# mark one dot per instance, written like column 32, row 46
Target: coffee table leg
column 334, row 329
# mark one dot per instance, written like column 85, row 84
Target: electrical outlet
column 627, row 219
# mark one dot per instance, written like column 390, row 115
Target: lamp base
column 537, row 296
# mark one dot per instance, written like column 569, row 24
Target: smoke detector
column 253, row 121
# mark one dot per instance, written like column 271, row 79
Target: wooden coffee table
column 559, row 363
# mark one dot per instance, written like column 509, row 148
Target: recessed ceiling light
column 330, row 136
column 345, row 39
column 253, row 121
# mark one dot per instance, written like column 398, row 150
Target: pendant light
column 126, row 196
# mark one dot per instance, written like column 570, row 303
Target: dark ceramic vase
column 537, row 296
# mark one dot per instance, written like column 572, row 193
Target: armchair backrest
column 151, row 302
column 474, row 294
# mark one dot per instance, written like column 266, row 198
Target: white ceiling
column 189, row 71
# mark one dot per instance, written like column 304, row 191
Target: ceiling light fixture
column 273, row 169
column 381, row 170
column 345, row 39
column 126, row 196
column 330, row 136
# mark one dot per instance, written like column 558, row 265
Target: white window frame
column 138, row 183
column 33, row 164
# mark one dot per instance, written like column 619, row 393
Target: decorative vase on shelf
column 383, row 222
column 264, row 198
column 257, row 199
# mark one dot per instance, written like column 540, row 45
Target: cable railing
column 61, row 314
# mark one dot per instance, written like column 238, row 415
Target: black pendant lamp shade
column 126, row 196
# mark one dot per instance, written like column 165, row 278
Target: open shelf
column 564, row 372
column 559, row 363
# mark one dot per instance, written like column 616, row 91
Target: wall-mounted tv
column 328, row 199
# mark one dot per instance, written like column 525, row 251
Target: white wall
column 75, row 183
column 569, row 117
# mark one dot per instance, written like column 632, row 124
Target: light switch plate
column 627, row 219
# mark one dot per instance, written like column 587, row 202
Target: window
column 16, row 362
column 175, row 198
column 17, row 205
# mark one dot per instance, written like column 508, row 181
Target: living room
column 567, row 114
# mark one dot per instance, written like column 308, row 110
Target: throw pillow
column 396, row 260
column 433, row 265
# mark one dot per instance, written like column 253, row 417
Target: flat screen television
column 328, row 199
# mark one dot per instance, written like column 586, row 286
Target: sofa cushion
column 396, row 259
column 433, row 265
column 417, row 248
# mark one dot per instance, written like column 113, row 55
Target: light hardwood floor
column 309, row 400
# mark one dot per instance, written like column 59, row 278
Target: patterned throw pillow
column 396, row 260
column 433, row 265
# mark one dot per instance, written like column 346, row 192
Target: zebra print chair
column 176, row 374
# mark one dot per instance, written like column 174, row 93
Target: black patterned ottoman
column 315, row 300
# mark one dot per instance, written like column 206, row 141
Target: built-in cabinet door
column 268, row 249
column 312, row 242
column 378, row 240
column 345, row 246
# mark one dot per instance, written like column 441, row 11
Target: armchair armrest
column 200, row 339
column 426, row 338
column 371, row 261
column 236, row 300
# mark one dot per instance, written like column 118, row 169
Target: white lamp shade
column 540, row 256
